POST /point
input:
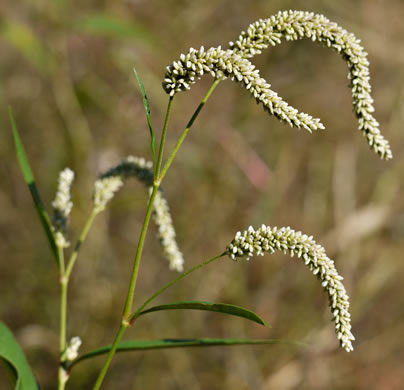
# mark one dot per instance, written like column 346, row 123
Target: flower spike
column 222, row 64
column 111, row 181
column 62, row 206
column 266, row 239
column 294, row 25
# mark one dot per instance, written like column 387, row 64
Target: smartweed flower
column 62, row 206
column 294, row 25
column 266, row 239
column 234, row 63
column 164, row 222
column 104, row 191
column 72, row 350
column 226, row 63
column 112, row 180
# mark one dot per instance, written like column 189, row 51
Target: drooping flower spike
column 111, row 181
column 286, row 25
column 294, row 25
column 266, row 239
column 223, row 64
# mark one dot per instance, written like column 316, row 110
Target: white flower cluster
column 285, row 25
column 164, row 222
column 221, row 64
column 112, row 180
column 72, row 350
column 104, row 191
column 266, row 239
column 62, row 206
column 294, row 25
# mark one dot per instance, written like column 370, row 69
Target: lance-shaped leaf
column 12, row 355
column 142, row 345
column 149, row 121
column 30, row 180
column 224, row 308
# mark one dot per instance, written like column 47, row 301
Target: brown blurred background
column 66, row 69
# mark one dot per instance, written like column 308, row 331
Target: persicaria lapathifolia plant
column 234, row 63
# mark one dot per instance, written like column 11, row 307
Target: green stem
column 111, row 354
column 83, row 235
column 64, row 284
column 163, row 139
column 129, row 298
column 126, row 316
column 136, row 264
column 168, row 285
column 135, row 271
column 63, row 309
column 188, row 127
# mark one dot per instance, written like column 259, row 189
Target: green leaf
column 111, row 26
column 12, row 355
column 208, row 306
column 142, row 345
column 149, row 121
column 24, row 40
column 29, row 179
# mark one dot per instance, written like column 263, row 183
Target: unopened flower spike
column 72, row 349
column 62, row 206
column 111, row 181
column 294, row 25
column 270, row 239
column 222, row 64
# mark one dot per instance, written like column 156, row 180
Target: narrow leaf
column 23, row 39
column 113, row 27
column 12, row 355
column 149, row 121
column 142, row 345
column 29, row 179
column 208, row 306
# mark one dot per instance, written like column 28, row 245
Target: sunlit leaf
column 23, row 39
column 14, row 359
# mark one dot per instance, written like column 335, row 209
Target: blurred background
column 66, row 69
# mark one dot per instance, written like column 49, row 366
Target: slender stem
column 111, row 354
column 126, row 316
column 136, row 264
column 82, row 237
column 64, row 274
column 169, row 284
column 163, row 139
column 63, row 309
column 188, row 127
column 131, row 292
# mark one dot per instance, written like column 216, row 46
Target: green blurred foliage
column 66, row 69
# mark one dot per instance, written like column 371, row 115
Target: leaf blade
column 148, row 115
column 12, row 354
column 106, row 25
column 30, row 181
column 224, row 308
column 143, row 345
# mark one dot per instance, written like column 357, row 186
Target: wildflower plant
column 232, row 63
